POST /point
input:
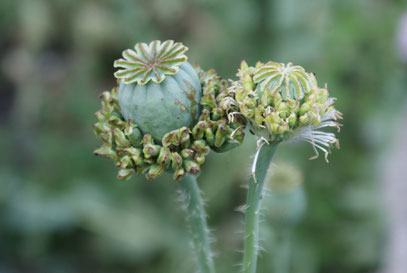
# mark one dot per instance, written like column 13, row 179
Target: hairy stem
column 253, row 202
column 196, row 217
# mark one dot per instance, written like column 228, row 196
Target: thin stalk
column 253, row 204
column 196, row 217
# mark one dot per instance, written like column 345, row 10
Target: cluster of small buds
column 182, row 151
column 276, row 99
column 221, row 133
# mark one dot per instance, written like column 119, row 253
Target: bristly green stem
column 253, row 202
column 197, row 220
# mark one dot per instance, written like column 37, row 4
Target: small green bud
column 272, row 122
column 135, row 137
column 183, row 136
column 199, row 158
column 283, row 128
column 164, row 156
column 305, row 107
column 107, row 137
column 204, row 115
column 247, row 110
column 269, row 124
column 187, row 153
column 276, row 99
column 147, row 139
column 217, row 113
column 243, row 65
column 304, row 120
column 114, row 120
column 200, row 147
column 266, row 98
column 292, row 119
column 154, row 171
column 105, row 151
column 220, row 136
column 105, row 97
column 209, row 89
column 208, row 101
column 315, row 118
column 125, row 174
column 283, row 109
column 128, row 127
column 199, row 129
column 120, row 138
column 294, row 105
column 135, row 155
column 100, row 127
column 191, row 167
column 151, row 150
column 258, row 114
column 178, row 174
column 125, row 162
column 248, row 84
column 100, row 115
column 176, row 160
column 210, row 137
column 274, row 117
column 171, row 138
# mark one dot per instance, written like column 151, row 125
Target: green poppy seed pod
column 159, row 90
column 285, row 203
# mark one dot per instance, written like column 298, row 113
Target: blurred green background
column 62, row 209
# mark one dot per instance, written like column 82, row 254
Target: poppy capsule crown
column 159, row 90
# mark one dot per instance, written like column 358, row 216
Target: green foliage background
column 62, row 209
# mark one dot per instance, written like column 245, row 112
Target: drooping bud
column 105, row 151
column 191, row 167
column 187, row 153
column 200, row 147
column 178, row 174
column 164, row 156
column 154, row 171
column 124, row 174
column 120, row 138
column 151, row 150
column 176, row 160
column 136, row 155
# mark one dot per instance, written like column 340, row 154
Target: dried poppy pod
column 166, row 115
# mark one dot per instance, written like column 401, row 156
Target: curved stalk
column 253, row 202
column 196, row 217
